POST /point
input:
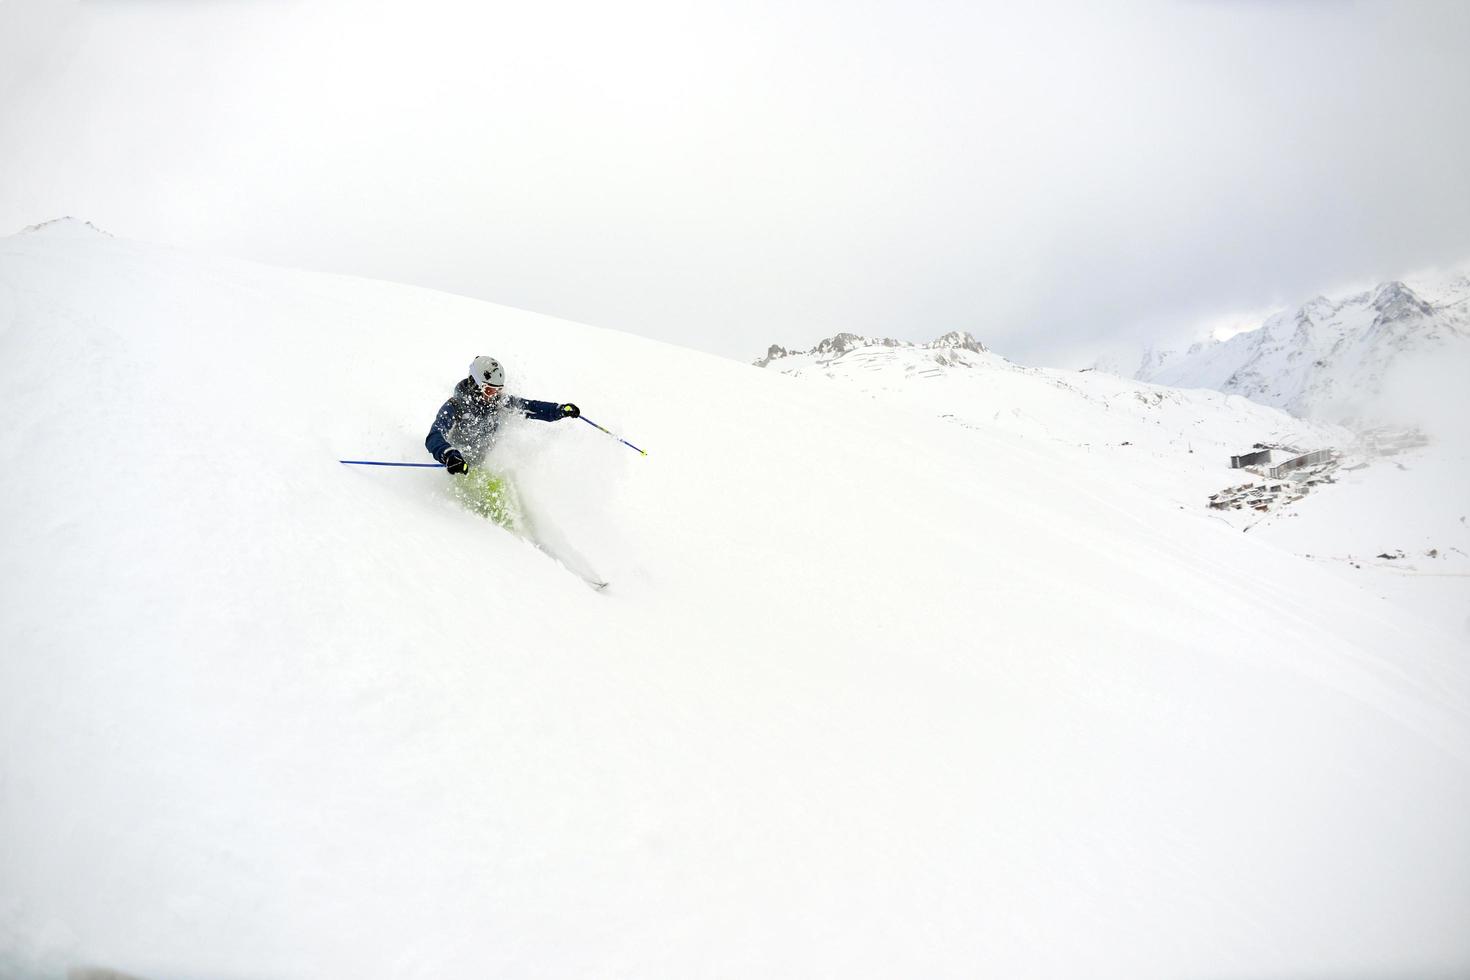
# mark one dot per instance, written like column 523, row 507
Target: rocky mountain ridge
column 843, row 343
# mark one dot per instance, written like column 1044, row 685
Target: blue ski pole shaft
column 373, row 462
column 613, row 434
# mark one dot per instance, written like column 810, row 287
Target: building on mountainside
column 1250, row 459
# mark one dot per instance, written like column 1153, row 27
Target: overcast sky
column 728, row 175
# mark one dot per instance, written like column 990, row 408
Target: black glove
column 454, row 462
column 569, row 411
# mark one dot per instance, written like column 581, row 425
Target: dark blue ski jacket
column 469, row 423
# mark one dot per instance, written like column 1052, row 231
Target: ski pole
column 613, row 434
column 373, row 462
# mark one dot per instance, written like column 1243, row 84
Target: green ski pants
column 491, row 496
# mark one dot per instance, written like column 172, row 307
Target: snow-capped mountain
column 951, row 683
column 1332, row 359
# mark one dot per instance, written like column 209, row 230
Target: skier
column 465, row 429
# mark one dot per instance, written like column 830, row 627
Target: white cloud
column 730, row 175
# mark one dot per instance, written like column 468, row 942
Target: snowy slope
column 1399, row 526
column 871, row 694
column 1172, row 443
column 1175, row 446
column 1334, row 359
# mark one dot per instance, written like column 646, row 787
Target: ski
column 573, row 563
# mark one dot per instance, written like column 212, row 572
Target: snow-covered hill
column 1391, row 515
column 873, row 692
column 1163, row 435
column 1361, row 357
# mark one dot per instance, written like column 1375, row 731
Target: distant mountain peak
column 1318, row 305
column 1326, row 359
column 958, row 340
column 1396, row 301
column 775, row 352
column 839, row 344
column 65, row 226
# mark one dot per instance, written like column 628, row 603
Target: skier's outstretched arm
column 437, row 442
column 546, row 411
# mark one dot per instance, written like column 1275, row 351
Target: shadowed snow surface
column 872, row 694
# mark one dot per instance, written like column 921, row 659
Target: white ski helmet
column 487, row 371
